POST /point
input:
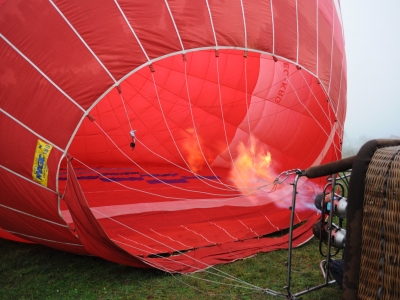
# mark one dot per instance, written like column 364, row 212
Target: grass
column 38, row 272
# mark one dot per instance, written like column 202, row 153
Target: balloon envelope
column 150, row 134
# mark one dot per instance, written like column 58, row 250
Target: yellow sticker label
column 40, row 170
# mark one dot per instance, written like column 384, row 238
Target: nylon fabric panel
column 256, row 13
column 31, row 212
column 43, row 203
column 285, row 29
column 202, row 258
column 308, row 34
column 105, row 31
column 51, row 44
column 153, row 26
column 8, row 236
column 337, row 84
column 228, row 24
column 91, row 235
column 325, row 19
column 178, row 162
column 193, row 23
column 175, row 134
column 17, row 151
column 281, row 125
column 28, row 97
column 41, row 232
column 151, row 231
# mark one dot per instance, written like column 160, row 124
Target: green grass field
column 38, row 272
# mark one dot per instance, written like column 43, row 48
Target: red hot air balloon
column 150, row 133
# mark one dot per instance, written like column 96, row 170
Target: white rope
column 145, row 171
column 83, row 41
column 316, row 99
column 149, row 193
column 38, row 238
column 212, row 25
column 131, row 29
column 317, row 25
column 170, row 132
column 244, row 24
column 297, row 32
column 178, row 166
column 170, row 271
column 332, row 48
column 195, row 130
column 126, row 111
column 27, row 179
column 213, row 243
column 171, row 239
column 42, row 73
column 247, row 110
column 33, row 216
column 223, row 123
column 174, row 250
column 173, row 22
column 305, row 107
column 340, row 90
column 273, row 28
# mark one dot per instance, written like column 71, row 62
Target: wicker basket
column 380, row 246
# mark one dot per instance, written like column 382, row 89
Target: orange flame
column 251, row 167
column 193, row 154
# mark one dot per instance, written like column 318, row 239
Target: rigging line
column 173, row 21
column 151, row 264
column 178, row 166
column 212, row 25
column 273, row 28
column 190, row 286
column 244, row 24
column 160, row 266
column 297, row 32
column 42, row 73
column 254, row 288
column 338, row 105
column 170, row 271
column 247, row 107
column 27, row 179
column 131, row 29
column 317, row 35
column 176, row 250
column 126, row 111
column 33, row 216
column 153, row 194
column 256, row 95
column 154, row 177
column 315, row 97
column 195, row 128
column 223, row 122
column 152, row 252
column 332, row 48
column 305, row 107
column 147, row 95
column 338, row 100
column 83, row 42
column 168, row 237
column 38, row 238
column 170, row 132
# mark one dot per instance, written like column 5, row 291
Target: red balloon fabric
column 150, row 133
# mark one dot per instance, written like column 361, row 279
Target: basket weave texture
column 380, row 254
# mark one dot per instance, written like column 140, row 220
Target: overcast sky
column 372, row 36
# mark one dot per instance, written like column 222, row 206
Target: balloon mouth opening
column 197, row 141
column 203, row 120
